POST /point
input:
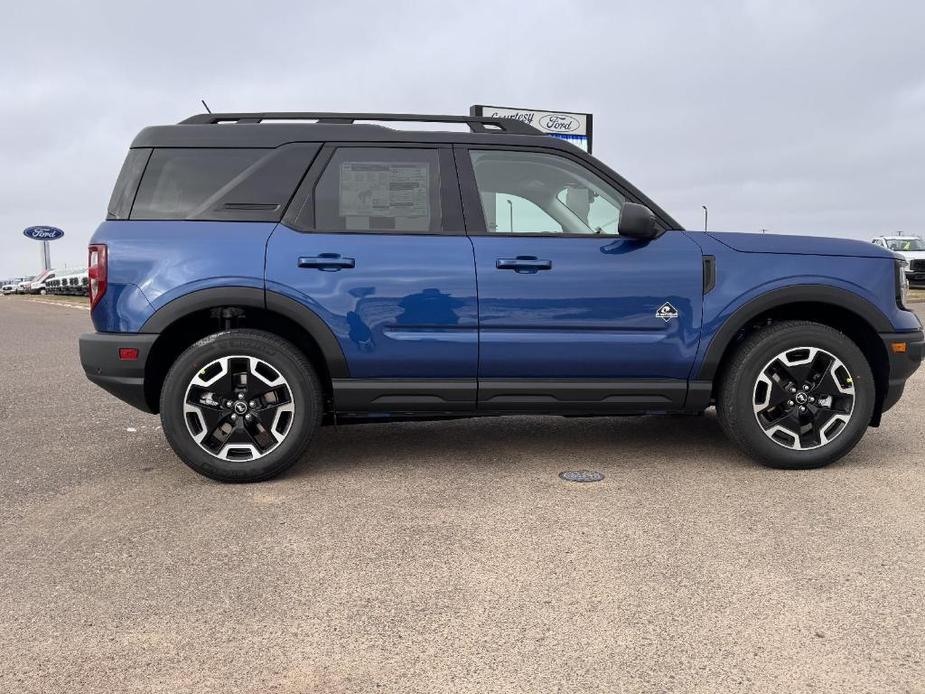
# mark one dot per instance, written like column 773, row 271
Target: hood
column 800, row 245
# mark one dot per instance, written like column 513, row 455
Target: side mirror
column 637, row 222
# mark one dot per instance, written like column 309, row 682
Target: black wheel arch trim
column 814, row 293
column 315, row 326
column 215, row 297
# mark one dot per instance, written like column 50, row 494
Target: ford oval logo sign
column 559, row 123
column 43, row 233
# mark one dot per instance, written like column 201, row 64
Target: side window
column 534, row 192
column 514, row 214
column 180, row 183
column 385, row 189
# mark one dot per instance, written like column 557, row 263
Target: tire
column 208, row 376
column 43, row 292
column 760, row 373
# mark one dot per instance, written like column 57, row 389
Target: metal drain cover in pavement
column 581, row 476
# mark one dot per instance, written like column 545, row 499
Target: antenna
column 206, row 105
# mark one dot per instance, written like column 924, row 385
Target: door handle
column 523, row 264
column 327, row 262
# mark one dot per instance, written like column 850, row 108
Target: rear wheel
column 241, row 406
column 796, row 395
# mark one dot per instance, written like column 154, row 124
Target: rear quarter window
column 183, row 183
column 123, row 194
column 229, row 184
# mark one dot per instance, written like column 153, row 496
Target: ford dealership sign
column 559, row 123
column 43, row 233
column 572, row 127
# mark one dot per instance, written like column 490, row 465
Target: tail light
column 97, row 267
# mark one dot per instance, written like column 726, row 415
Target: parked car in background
column 24, row 286
column 57, row 286
column 909, row 248
column 37, row 286
column 254, row 280
column 8, row 289
column 70, row 283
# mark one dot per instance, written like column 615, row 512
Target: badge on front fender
column 666, row 312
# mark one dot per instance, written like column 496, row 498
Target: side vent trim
column 709, row 273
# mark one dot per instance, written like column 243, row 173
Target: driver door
column 571, row 315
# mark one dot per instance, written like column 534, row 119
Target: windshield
column 905, row 244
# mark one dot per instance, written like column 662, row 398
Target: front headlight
column 902, row 283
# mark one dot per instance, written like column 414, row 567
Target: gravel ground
column 447, row 556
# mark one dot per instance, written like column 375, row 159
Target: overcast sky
column 799, row 117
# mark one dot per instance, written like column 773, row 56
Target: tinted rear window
column 180, row 183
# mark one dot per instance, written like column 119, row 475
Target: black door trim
column 494, row 396
column 567, row 395
column 402, row 395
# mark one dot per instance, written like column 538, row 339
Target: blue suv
column 261, row 274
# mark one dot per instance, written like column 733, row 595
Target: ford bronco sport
column 256, row 278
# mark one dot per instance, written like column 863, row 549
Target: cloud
column 796, row 117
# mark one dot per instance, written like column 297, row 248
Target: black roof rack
column 477, row 124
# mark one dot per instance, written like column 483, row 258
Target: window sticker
column 385, row 189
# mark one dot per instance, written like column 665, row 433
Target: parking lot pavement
column 446, row 556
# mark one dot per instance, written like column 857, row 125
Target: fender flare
column 215, row 297
column 815, row 293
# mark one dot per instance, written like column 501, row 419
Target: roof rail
column 477, row 124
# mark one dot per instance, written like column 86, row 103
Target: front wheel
column 241, row 405
column 796, row 395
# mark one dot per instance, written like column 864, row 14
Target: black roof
column 260, row 130
column 274, row 135
column 475, row 123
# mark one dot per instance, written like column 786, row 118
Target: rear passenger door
column 374, row 244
